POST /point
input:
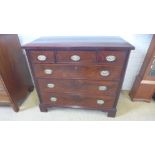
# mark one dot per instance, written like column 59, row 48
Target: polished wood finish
column 143, row 88
column 101, row 57
column 77, row 101
column 68, row 71
column 78, row 86
column 85, row 57
column 48, row 54
column 82, row 82
column 15, row 79
column 110, row 43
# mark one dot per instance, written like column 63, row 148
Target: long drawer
column 78, row 86
column 67, row 71
column 68, row 100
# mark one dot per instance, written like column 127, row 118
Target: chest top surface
column 80, row 43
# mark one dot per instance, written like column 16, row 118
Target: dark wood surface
column 85, row 57
column 13, row 70
column 120, row 55
column 68, row 43
column 67, row 71
column 76, row 83
column 48, row 54
column 89, row 87
column 76, row 100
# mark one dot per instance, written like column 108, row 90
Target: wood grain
column 67, row 71
column 86, row 57
column 120, row 57
column 78, row 86
column 69, row 100
column 13, row 70
column 48, row 54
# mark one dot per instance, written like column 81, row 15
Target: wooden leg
column 112, row 113
column 15, row 108
column 30, row 88
column 43, row 108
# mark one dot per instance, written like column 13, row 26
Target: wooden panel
column 69, row 56
column 48, row 55
column 78, row 86
column 144, row 85
column 66, row 71
column 103, row 57
column 67, row 100
column 13, row 69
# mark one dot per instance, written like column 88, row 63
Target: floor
column 126, row 111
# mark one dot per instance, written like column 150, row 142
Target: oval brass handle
column 105, row 73
column 110, row 58
column 75, row 57
column 100, row 102
column 102, row 88
column 53, row 99
column 50, row 85
column 48, row 71
column 41, row 57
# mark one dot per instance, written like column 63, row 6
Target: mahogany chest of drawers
column 78, row 72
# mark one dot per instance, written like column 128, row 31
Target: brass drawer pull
column 48, row 71
column 53, row 99
column 50, row 85
column 102, row 88
column 100, row 102
column 104, row 73
column 75, row 57
column 110, row 58
column 41, row 57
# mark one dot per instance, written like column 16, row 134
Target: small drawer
column 111, row 57
column 76, row 57
column 42, row 56
column 66, row 71
column 78, row 86
column 77, row 101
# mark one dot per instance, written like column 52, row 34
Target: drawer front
column 42, row 56
column 95, row 72
column 76, row 57
column 67, row 100
column 111, row 57
column 78, row 86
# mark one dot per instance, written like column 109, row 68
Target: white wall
column 141, row 43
